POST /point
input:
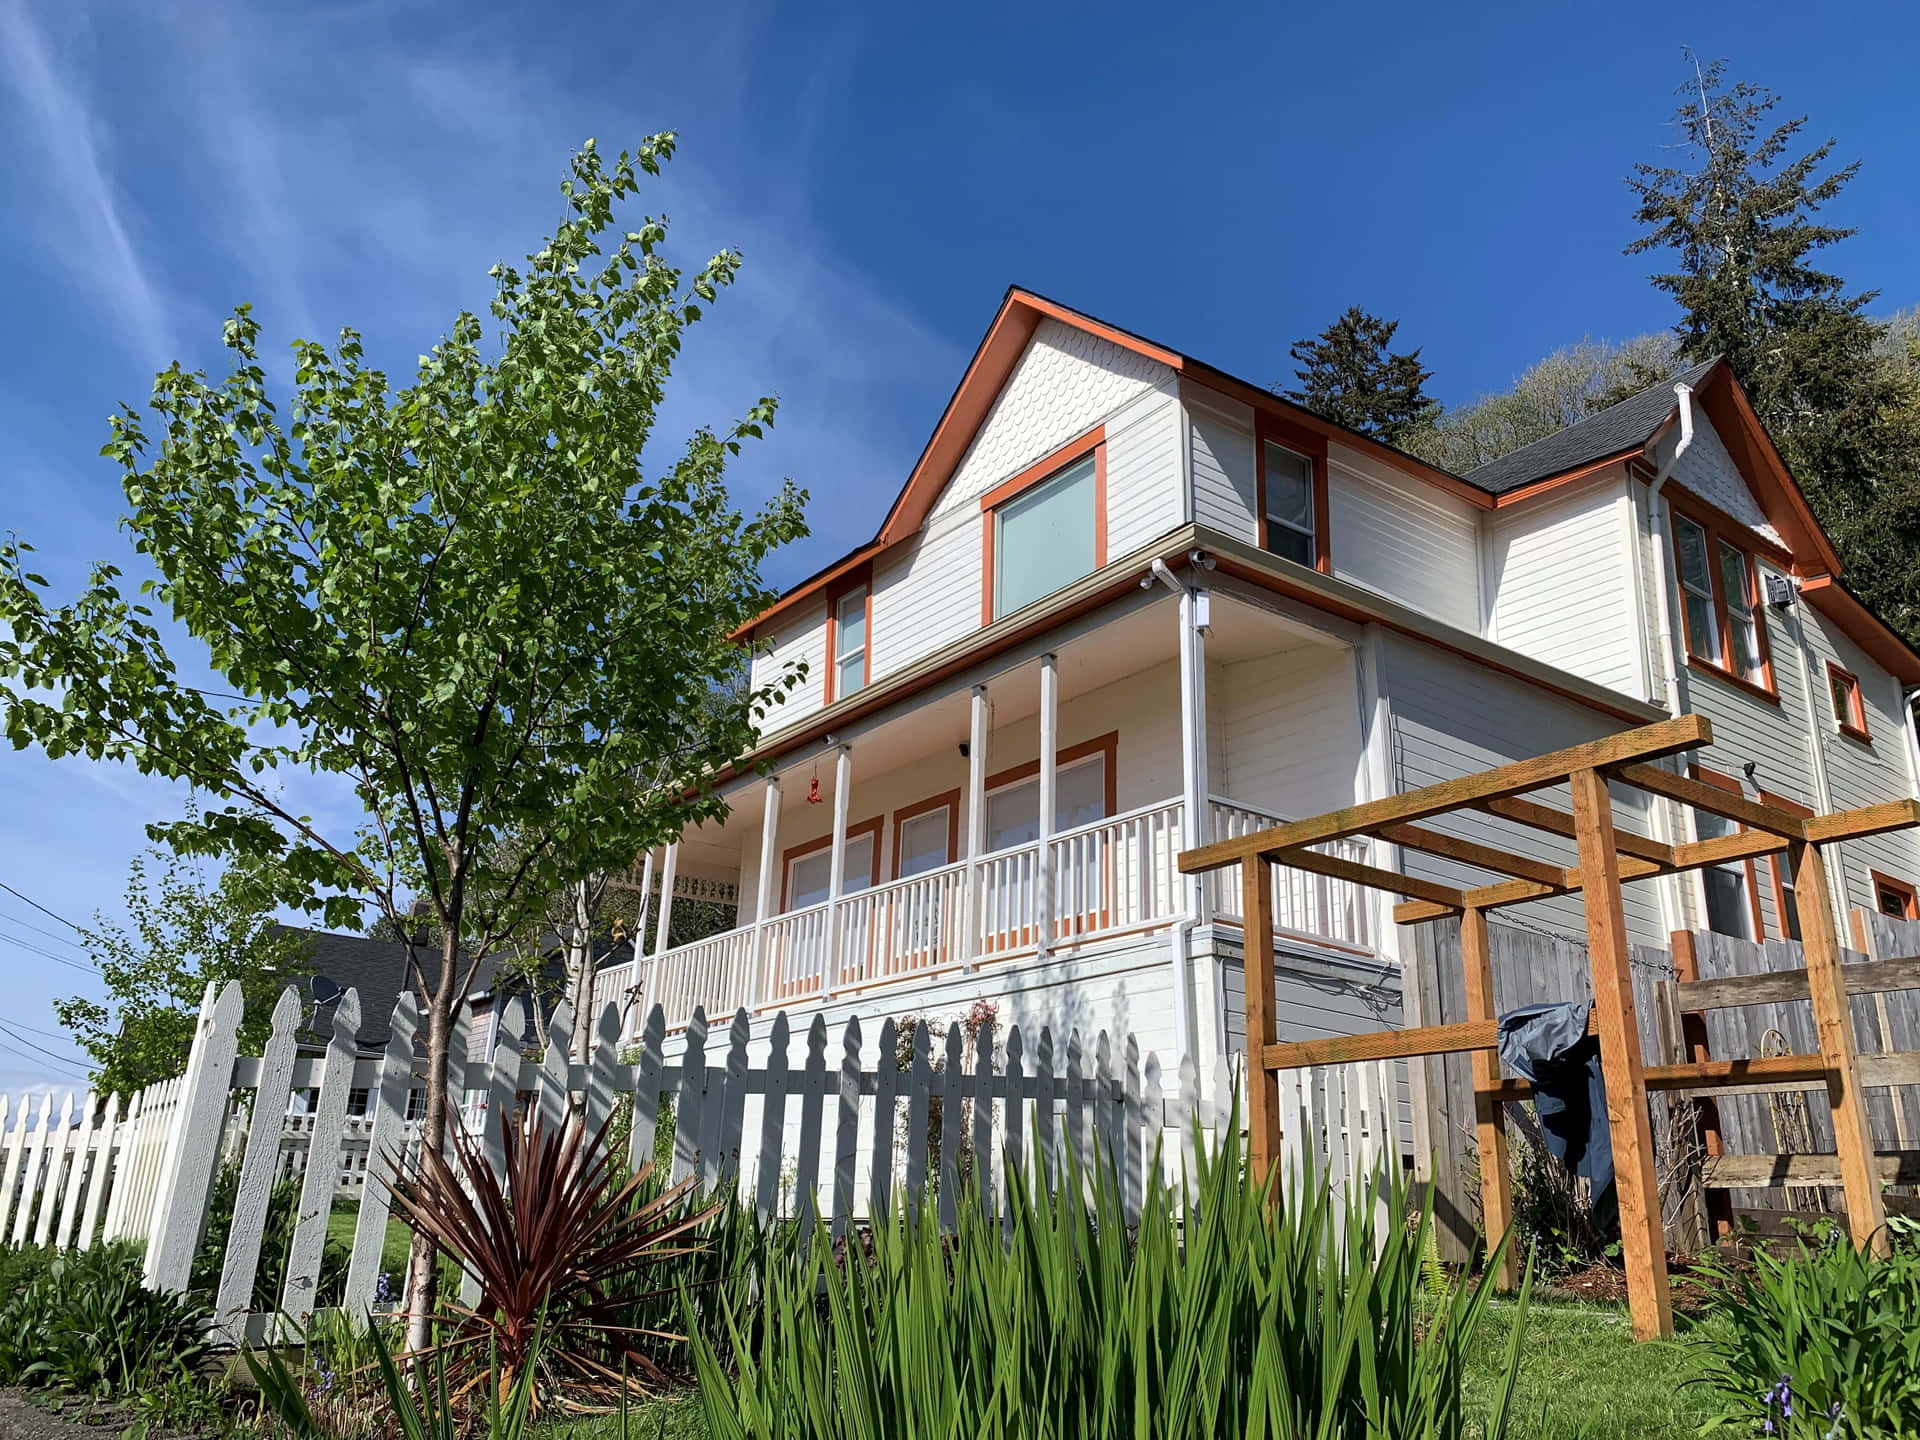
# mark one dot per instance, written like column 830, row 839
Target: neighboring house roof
column 1616, row 431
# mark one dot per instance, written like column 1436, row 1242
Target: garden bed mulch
column 1693, row 1288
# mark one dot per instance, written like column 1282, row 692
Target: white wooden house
column 1125, row 603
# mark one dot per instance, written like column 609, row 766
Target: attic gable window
column 1045, row 528
column 1725, row 624
column 849, row 638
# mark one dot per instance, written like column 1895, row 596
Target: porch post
column 763, row 896
column 837, row 871
column 972, row 891
column 1049, row 747
column 666, row 901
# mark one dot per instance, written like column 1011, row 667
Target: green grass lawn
column 1581, row 1378
column 393, row 1252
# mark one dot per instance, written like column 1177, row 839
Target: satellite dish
column 325, row 992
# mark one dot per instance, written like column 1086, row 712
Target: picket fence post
column 193, row 1141
column 266, row 1123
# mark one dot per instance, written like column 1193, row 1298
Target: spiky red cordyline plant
column 552, row 1237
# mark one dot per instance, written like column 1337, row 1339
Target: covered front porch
column 1022, row 817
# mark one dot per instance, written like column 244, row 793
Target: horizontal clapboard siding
column 1420, row 547
column 1143, row 471
column 1224, row 481
column 1289, row 730
column 1562, row 584
column 1452, row 718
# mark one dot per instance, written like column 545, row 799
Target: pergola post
column 1643, row 1242
column 1833, row 1023
column 1263, row 1085
column 1489, row 1113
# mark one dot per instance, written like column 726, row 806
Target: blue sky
column 1225, row 179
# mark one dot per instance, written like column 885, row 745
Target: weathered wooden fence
column 1755, row 1127
column 810, row 1126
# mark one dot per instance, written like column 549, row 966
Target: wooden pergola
column 1607, row 858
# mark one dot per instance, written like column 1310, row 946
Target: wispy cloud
column 85, row 224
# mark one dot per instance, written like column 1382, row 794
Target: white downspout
column 1910, row 740
column 1673, row 679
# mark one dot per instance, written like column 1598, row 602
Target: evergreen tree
column 1739, row 218
column 1348, row 374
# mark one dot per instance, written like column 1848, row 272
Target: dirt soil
column 1693, row 1288
column 22, row 1419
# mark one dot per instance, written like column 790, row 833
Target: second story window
column 849, row 642
column 1290, row 505
column 1725, row 628
column 1044, row 529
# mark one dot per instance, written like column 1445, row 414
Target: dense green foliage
column 187, row 934
column 85, row 1323
column 1349, row 374
column 1738, row 216
column 1226, row 1315
column 464, row 600
column 1821, row 1335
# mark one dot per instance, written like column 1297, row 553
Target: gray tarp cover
column 1549, row 1046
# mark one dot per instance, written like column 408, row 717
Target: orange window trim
column 807, row 847
column 1714, row 524
column 1107, row 744
column 1093, row 442
column 1777, row 862
column 1853, row 724
column 1728, row 783
column 1272, row 429
column 948, row 798
column 1909, row 897
column 844, row 586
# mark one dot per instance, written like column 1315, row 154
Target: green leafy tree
column 1562, row 389
column 1348, row 374
column 466, row 599
column 1739, row 217
column 186, row 934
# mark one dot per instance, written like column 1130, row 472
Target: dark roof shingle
column 1618, row 427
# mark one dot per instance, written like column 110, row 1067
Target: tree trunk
column 422, row 1279
column 580, row 962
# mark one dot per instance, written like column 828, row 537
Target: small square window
column 1849, row 710
column 1895, row 897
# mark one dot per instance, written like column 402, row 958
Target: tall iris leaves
column 1221, row 1315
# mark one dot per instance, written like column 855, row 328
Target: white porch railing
column 1113, row 877
column 1317, row 907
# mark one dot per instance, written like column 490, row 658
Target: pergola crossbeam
column 1727, row 804
column 1650, row 742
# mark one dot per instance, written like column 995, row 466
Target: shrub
column 90, row 1325
column 1232, row 1314
column 1823, row 1340
column 560, row 1248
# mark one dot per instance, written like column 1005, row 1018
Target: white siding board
column 1422, row 548
column 1562, row 584
column 1065, row 383
column 1708, row 470
column 1290, row 730
column 1224, row 478
column 802, row 639
column 1143, row 471
column 1452, row 718
column 929, row 596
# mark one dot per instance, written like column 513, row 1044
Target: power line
column 36, row 1030
column 22, row 1040
column 78, row 1068
column 39, row 930
column 38, row 906
column 6, row 939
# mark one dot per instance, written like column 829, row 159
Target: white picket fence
column 805, row 1132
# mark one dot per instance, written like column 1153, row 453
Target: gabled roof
column 1021, row 313
column 1614, row 432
